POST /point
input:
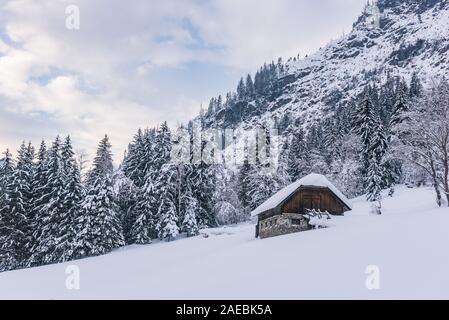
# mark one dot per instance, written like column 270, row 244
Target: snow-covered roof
column 312, row 180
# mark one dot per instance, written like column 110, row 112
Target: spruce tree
column 249, row 86
column 71, row 198
column 167, row 199
column 244, row 186
column 400, row 107
column 126, row 194
column 298, row 156
column 364, row 122
column 241, row 90
column 52, row 212
column 190, row 207
column 416, row 87
column 204, row 181
column 41, row 193
column 132, row 163
column 162, row 148
column 8, row 230
column 102, row 164
column 99, row 228
column 377, row 177
column 143, row 229
column 21, row 199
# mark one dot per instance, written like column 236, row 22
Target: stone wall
column 283, row 224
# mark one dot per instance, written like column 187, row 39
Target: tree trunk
column 446, row 173
column 435, row 181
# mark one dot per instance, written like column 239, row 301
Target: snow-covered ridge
column 413, row 36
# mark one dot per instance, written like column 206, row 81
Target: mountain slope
column 407, row 244
column 393, row 38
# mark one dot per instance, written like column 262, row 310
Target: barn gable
column 315, row 181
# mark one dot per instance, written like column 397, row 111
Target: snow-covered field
column 408, row 245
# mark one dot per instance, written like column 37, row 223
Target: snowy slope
column 408, row 243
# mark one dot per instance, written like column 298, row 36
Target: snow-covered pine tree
column 125, row 194
column 190, row 207
column 51, row 213
column 8, row 231
column 162, row 148
column 262, row 185
column 99, row 227
column 416, row 88
column 102, row 165
column 241, row 90
column 244, row 186
column 317, row 153
column 166, row 187
column 282, row 168
column 21, row 199
column 364, row 122
column 228, row 209
column 298, row 156
column 377, row 177
column 71, row 199
column 143, row 229
column 40, row 193
column 203, row 180
column 401, row 105
column 249, row 87
column 132, row 163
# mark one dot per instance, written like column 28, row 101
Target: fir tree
column 143, row 229
column 377, row 177
column 132, row 162
column 167, row 193
column 102, row 165
column 9, row 234
column 99, row 227
column 190, row 207
column 416, row 87
column 71, row 198
column 363, row 124
column 203, row 178
column 244, row 186
column 400, row 107
column 298, row 157
column 21, row 199
column 249, row 86
column 52, row 212
column 126, row 195
column 241, row 90
column 162, row 149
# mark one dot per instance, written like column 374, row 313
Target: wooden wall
column 314, row 198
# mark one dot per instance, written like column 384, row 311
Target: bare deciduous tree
column 423, row 137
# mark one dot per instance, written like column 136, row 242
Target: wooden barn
column 284, row 212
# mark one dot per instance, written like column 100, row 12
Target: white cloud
column 130, row 63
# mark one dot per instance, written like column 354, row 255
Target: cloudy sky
column 136, row 63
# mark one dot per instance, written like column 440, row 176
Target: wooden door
column 311, row 202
